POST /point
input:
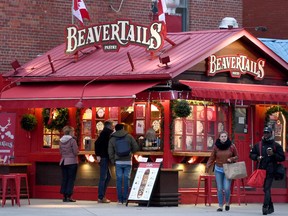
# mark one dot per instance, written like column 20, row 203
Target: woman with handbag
column 267, row 158
column 223, row 152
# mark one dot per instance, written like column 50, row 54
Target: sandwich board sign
column 144, row 182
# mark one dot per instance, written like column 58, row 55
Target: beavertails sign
column 237, row 65
column 112, row 36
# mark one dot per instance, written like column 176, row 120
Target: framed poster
column 140, row 126
column 144, row 181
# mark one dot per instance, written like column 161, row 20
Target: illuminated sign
column 236, row 65
column 113, row 36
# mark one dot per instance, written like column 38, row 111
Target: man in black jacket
column 267, row 158
column 101, row 151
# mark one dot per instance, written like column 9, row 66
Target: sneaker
column 104, row 200
column 120, row 202
column 219, row 210
column 227, row 208
column 69, row 200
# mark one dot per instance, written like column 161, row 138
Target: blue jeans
column 223, row 185
column 123, row 172
column 105, row 177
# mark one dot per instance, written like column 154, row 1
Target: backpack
column 122, row 147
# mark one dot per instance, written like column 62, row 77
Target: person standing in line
column 69, row 163
column 123, row 163
column 101, row 152
column 224, row 151
column 271, row 153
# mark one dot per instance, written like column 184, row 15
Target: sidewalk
column 52, row 207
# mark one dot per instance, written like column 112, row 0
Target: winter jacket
column 267, row 162
column 101, row 144
column 221, row 152
column 68, row 150
column 111, row 147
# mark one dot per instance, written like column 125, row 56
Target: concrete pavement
column 49, row 207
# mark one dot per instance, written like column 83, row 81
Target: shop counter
column 14, row 168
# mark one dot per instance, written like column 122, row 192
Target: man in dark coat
column 271, row 153
column 101, row 151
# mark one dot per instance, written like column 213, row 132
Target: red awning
column 237, row 91
column 67, row 95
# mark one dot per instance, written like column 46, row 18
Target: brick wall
column 207, row 14
column 269, row 13
column 31, row 27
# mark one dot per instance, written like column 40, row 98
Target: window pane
column 178, row 143
column 189, row 143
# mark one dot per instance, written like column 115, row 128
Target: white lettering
column 122, row 32
column 236, row 65
column 71, row 44
column 155, row 30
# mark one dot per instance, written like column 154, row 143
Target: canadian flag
column 162, row 9
column 79, row 10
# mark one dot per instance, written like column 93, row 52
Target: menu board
column 7, row 136
column 144, row 181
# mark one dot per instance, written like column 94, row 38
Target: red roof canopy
column 67, row 95
column 190, row 49
column 237, row 91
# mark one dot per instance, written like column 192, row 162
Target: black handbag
column 279, row 172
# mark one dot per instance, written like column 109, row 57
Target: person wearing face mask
column 271, row 153
column 224, row 151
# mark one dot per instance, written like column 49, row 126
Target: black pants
column 68, row 179
column 267, row 189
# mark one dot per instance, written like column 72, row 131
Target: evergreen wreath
column 28, row 122
column 182, row 109
column 57, row 123
column 275, row 109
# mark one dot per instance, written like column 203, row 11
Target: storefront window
column 51, row 138
column 199, row 130
column 156, row 119
column 140, row 119
column 86, row 127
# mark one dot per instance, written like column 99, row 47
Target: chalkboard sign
column 144, row 182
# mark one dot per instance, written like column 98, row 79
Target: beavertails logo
column 237, row 65
column 113, row 36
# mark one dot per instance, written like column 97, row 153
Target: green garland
column 28, row 122
column 172, row 125
column 59, row 122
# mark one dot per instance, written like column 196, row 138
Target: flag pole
column 72, row 12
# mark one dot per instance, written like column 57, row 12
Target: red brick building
column 186, row 77
column 29, row 28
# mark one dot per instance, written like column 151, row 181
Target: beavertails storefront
column 229, row 79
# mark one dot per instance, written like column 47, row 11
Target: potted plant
column 28, row 122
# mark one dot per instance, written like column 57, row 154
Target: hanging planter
column 28, row 122
column 55, row 119
column 182, row 109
